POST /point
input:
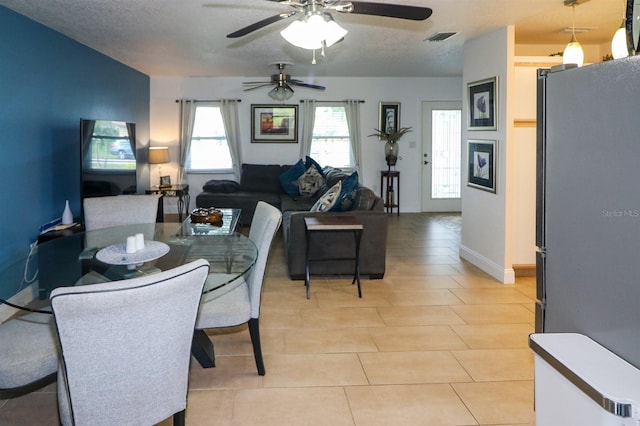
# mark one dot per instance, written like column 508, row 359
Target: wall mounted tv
column 108, row 155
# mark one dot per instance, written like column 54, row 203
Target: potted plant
column 391, row 146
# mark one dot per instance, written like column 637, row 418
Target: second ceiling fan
column 282, row 83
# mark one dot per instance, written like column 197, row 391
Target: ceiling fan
column 283, row 82
column 316, row 28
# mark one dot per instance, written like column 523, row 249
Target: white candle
column 131, row 244
column 139, row 241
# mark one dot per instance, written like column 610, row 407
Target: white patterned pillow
column 327, row 201
column 310, row 182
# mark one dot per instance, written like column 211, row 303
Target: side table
column 333, row 224
column 181, row 191
column 390, row 189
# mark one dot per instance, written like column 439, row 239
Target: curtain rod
column 205, row 100
column 359, row 101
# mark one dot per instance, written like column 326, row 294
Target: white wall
column 484, row 214
column 410, row 92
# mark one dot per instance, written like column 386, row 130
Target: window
column 330, row 145
column 209, row 149
column 110, row 148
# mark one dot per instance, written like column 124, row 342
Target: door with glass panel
column 441, row 156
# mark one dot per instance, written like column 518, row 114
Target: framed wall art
column 482, row 164
column 389, row 117
column 274, row 123
column 482, row 105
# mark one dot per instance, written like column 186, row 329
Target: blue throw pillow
column 347, row 194
column 310, row 161
column 288, row 179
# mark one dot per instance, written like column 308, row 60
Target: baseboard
column 504, row 275
column 524, row 270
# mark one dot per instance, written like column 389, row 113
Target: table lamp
column 160, row 155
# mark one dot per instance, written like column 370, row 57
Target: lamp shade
column 158, row 155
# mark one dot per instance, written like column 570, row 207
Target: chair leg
column 254, row 332
column 202, row 349
column 179, row 418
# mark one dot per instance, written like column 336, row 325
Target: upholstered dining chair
column 126, row 346
column 29, row 354
column 105, row 212
column 241, row 304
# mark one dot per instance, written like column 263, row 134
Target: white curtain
column 308, row 120
column 352, row 109
column 187, row 116
column 229, row 110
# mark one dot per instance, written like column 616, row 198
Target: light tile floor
column 436, row 342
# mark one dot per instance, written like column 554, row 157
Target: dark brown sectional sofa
column 260, row 182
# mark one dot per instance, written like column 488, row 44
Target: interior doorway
column 441, row 156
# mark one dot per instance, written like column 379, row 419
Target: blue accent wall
column 47, row 83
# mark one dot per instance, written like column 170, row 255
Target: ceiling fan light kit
column 281, row 93
column 315, row 32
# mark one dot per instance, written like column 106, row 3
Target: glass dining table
column 100, row 256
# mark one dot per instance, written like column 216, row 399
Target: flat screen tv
column 108, row 156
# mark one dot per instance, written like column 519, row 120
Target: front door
column 441, row 156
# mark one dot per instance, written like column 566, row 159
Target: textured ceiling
column 187, row 37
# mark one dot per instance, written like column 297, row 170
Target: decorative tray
column 117, row 253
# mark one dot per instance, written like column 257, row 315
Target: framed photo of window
column 389, row 117
column 481, row 171
column 274, row 123
column 482, row 105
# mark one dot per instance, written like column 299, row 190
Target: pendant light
column 573, row 53
column 619, row 48
column 619, row 42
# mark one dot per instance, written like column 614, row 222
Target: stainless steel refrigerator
column 588, row 202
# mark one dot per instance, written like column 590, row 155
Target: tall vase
column 391, row 149
column 67, row 216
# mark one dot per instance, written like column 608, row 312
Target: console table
column 390, row 189
column 181, row 191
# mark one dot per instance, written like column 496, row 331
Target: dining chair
column 29, row 354
column 126, row 346
column 105, row 212
column 241, row 304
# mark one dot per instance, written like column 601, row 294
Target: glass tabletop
column 74, row 260
column 226, row 227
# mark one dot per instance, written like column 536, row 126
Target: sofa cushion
column 328, row 199
column 333, row 175
column 298, row 203
column 310, row 182
column 222, row 185
column 347, row 194
column 365, row 199
column 288, row 180
column 308, row 162
column 261, row 177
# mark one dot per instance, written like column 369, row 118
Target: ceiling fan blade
column 258, row 87
column 414, row 13
column 256, row 82
column 303, row 84
column 258, row 25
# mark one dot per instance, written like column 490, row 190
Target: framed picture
column 482, row 105
column 389, row 116
column 482, row 164
column 165, row 180
column 274, row 123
